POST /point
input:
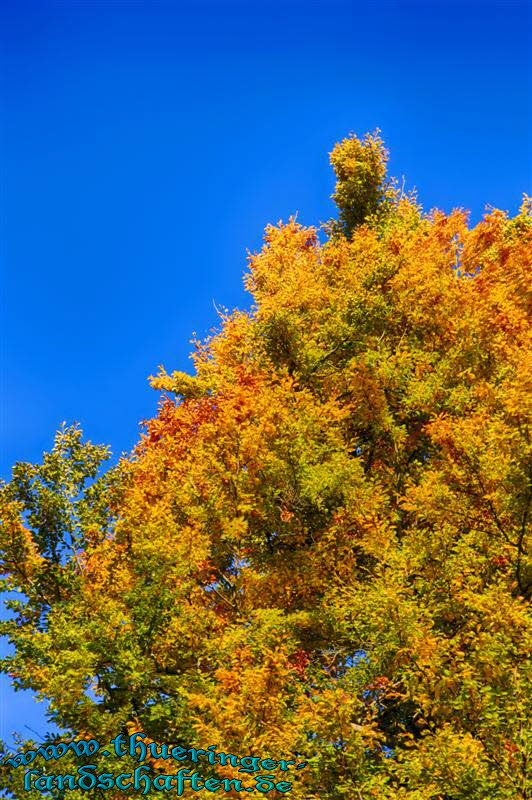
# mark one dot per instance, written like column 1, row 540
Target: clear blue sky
column 145, row 145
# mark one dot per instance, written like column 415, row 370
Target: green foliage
column 361, row 191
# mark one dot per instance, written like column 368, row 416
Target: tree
column 318, row 550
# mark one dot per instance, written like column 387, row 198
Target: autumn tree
column 318, row 550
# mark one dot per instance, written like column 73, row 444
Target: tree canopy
column 318, row 549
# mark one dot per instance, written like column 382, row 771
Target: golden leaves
column 321, row 547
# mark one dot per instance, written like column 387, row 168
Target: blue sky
column 145, row 145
